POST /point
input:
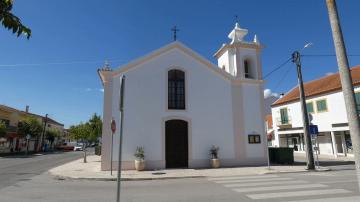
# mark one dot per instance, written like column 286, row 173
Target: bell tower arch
column 241, row 58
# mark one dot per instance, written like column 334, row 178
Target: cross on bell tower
column 175, row 30
column 236, row 18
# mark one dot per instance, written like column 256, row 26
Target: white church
column 177, row 104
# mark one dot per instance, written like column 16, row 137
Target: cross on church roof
column 236, row 18
column 175, row 30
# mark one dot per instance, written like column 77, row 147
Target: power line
column 282, row 78
column 277, row 68
column 57, row 63
column 306, row 55
column 328, row 55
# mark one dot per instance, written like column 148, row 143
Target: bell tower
column 241, row 58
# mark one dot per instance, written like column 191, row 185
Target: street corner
column 323, row 169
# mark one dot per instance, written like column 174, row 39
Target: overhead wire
column 277, row 68
column 328, row 55
column 57, row 63
column 282, row 79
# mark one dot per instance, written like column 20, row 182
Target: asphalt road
column 14, row 169
column 332, row 186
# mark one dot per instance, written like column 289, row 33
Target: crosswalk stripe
column 265, row 183
column 282, row 187
column 336, row 199
column 253, row 180
column 241, row 177
column 297, row 193
column 337, row 181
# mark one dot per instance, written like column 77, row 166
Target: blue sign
column 314, row 130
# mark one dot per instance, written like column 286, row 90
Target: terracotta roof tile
column 319, row 86
column 268, row 119
column 50, row 120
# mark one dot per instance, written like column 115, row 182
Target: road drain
column 159, row 173
column 24, row 179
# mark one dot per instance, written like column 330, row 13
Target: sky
column 55, row 71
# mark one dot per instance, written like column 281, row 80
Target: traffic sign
column 113, row 126
column 314, row 130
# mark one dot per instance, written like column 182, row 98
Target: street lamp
column 310, row 165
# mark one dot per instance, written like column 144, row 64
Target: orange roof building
column 327, row 84
column 326, row 108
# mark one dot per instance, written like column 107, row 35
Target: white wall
column 325, row 146
column 224, row 61
column 208, row 105
column 233, row 60
column 253, row 118
column 336, row 113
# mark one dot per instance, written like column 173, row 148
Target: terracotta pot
column 139, row 165
column 215, row 163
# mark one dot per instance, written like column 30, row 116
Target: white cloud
column 329, row 73
column 89, row 89
column 268, row 93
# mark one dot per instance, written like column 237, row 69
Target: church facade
column 177, row 104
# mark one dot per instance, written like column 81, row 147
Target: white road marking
column 241, row 177
column 297, row 193
column 337, row 181
column 336, row 199
column 282, row 187
column 265, row 183
column 253, row 180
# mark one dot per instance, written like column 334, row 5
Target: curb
column 59, row 177
column 323, row 169
column 62, row 177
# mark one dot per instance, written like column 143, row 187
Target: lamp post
column 310, row 165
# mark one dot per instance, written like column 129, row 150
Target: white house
column 177, row 104
column 326, row 106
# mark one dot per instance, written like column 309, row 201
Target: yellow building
column 12, row 141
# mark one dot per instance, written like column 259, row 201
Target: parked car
column 65, row 147
column 79, row 147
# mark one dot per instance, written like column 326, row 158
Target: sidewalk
column 91, row 171
column 300, row 156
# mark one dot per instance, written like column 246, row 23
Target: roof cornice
column 237, row 45
column 123, row 69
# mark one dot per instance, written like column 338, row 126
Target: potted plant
column 215, row 162
column 140, row 159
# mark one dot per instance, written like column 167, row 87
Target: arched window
column 247, row 69
column 176, row 89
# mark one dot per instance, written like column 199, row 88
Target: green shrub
column 139, row 153
column 98, row 150
column 214, row 151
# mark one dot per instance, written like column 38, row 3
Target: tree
column 2, row 129
column 51, row 134
column 87, row 132
column 10, row 21
column 81, row 132
column 30, row 125
column 95, row 123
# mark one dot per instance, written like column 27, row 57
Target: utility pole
column 346, row 82
column 43, row 134
column 310, row 165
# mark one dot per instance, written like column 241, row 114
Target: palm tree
column 10, row 21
